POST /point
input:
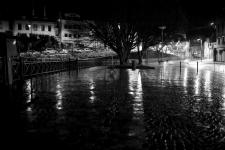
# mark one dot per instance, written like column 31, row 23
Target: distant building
column 72, row 30
column 69, row 29
column 36, row 27
column 202, row 42
column 219, row 50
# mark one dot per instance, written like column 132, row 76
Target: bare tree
column 119, row 36
column 146, row 37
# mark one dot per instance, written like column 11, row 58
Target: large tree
column 120, row 36
column 146, row 37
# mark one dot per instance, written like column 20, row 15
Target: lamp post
column 60, row 32
column 162, row 28
column 30, row 27
column 200, row 47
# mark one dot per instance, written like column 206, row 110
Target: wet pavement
column 166, row 108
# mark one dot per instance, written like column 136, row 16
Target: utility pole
column 162, row 28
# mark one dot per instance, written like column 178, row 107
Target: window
column 27, row 27
column 65, row 35
column 19, row 26
column 70, row 35
column 49, row 28
column 74, row 35
column 43, row 28
column 35, row 27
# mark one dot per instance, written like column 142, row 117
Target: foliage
column 35, row 42
column 120, row 36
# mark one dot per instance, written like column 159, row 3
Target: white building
column 70, row 30
column 37, row 27
column 219, row 51
column 73, row 30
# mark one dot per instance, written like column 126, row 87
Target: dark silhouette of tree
column 35, row 42
column 120, row 36
column 146, row 37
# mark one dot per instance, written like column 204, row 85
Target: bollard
column 197, row 66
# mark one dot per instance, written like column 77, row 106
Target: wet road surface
column 166, row 108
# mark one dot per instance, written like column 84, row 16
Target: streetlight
column 162, row 28
column 30, row 27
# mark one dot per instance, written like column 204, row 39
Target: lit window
column 19, row 26
column 49, row 28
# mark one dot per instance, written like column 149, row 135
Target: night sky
column 197, row 12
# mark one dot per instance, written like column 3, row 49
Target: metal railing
column 23, row 68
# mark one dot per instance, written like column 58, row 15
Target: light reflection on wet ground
column 99, row 108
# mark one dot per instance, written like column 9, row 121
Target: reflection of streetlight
column 162, row 28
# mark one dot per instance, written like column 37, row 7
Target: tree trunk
column 139, row 56
column 124, row 56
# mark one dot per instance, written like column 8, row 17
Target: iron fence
column 23, row 68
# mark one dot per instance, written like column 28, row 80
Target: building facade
column 72, row 30
column 219, row 50
column 36, row 27
column 69, row 29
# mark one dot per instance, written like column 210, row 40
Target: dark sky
column 197, row 11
